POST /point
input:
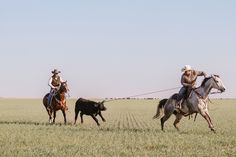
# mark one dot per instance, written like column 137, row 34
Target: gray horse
column 195, row 103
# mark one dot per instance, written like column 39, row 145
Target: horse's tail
column 159, row 107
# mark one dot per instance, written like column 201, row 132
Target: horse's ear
column 216, row 75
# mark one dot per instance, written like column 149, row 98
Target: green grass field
column 129, row 131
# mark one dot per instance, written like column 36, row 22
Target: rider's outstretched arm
column 201, row 73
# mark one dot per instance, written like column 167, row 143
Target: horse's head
column 215, row 82
column 218, row 83
column 64, row 87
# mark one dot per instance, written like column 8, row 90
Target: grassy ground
column 129, row 131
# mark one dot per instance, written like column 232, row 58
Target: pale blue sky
column 114, row 48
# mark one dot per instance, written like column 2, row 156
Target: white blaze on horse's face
column 218, row 83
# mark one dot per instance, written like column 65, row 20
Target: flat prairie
column 129, row 130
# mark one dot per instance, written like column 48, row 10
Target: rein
column 199, row 95
column 218, row 92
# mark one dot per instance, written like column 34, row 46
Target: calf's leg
column 100, row 114
column 96, row 120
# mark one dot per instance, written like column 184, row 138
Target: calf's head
column 101, row 106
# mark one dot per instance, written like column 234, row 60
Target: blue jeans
column 182, row 93
column 52, row 91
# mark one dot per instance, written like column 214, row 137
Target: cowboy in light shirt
column 188, row 80
column 54, row 82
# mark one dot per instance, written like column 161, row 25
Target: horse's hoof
column 213, row 130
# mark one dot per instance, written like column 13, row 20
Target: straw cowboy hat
column 186, row 68
column 55, row 71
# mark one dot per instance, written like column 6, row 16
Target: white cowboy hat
column 186, row 68
column 55, row 71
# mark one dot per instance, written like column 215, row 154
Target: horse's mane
column 62, row 88
column 205, row 80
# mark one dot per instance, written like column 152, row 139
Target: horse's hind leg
column 163, row 119
column 195, row 117
column 177, row 120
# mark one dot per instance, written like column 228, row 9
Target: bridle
column 213, row 77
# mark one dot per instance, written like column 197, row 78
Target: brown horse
column 58, row 102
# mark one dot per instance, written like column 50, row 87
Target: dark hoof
column 213, row 130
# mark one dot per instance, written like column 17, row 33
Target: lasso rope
column 153, row 92
column 148, row 93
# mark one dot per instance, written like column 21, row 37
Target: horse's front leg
column 64, row 115
column 54, row 116
column 49, row 111
column 204, row 112
column 50, row 116
column 208, row 119
column 212, row 126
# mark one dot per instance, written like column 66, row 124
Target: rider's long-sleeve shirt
column 190, row 80
column 54, row 82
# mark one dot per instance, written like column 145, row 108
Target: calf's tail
column 76, row 113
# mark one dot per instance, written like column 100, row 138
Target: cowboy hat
column 186, row 68
column 55, row 71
